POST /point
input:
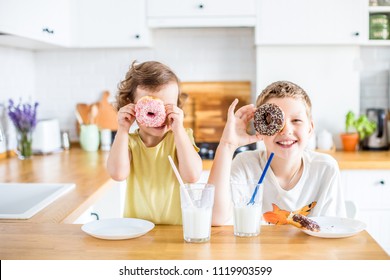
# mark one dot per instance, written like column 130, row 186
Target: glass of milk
column 246, row 216
column 197, row 202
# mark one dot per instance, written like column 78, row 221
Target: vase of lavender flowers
column 24, row 118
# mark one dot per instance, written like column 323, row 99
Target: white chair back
column 351, row 209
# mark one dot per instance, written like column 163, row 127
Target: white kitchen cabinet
column 293, row 22
column 370, row 191
column 105, row 23
column 40, row 20
column 201, row 13
column 109, row 205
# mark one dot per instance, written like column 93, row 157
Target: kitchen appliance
column 46, row 137
column 378, row 140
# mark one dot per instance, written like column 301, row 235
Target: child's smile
column 286, row 143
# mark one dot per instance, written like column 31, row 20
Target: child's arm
column 234, row 135
column 118, row 162
column 190, row 163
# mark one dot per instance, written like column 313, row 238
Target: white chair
column 351, row 209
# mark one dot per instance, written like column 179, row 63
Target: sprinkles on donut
column 268, row 119
column 150, row 111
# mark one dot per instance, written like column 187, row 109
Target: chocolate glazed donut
column 268, row 119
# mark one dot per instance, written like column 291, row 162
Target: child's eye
column 297, row 120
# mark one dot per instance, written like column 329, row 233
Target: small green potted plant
column 356, row 130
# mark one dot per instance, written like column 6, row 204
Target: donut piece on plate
column 150, row 111
column 303, row 222
column 268, row 119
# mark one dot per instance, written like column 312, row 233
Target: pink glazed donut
column 150, row 111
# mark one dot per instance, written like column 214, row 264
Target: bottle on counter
column 105, row 139
column 65, row 140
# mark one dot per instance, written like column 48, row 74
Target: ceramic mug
column 324, row 140
column 89, row 137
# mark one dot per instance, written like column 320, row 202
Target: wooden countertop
column 66, row 241
column 350, row 160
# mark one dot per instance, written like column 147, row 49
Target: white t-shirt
column 320, row 182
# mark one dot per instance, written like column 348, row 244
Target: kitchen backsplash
column 375, row 78
column 60, row 78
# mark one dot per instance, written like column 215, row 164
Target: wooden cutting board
column 83, row 110
column 101, row 113
column 107, row 115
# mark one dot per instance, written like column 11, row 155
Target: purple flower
column 23, row 116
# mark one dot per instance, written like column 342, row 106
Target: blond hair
column 283, row 89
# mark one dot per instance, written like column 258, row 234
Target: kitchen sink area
column 24, row 200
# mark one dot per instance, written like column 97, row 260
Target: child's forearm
column 220, row 178
column 118, row 162
column 190, row 163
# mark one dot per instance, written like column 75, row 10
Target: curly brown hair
column 282, row 89
column 150, row 75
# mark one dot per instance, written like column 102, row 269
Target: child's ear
column 182, row 99
column 311, row 127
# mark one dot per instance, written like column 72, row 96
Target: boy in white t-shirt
column 297, row 180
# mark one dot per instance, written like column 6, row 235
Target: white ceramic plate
column 116, row 229
column 335, row 227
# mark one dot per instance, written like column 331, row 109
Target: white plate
column 335, row 227
column 116, row 229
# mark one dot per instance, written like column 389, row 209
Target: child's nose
column 287, row 128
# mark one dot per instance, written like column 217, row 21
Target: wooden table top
column 67, row 241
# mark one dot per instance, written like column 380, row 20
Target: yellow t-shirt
column 153, row 192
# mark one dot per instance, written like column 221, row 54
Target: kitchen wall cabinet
column 292, row 22
column 196, row 13
column 370, row 190
column 104, row 23
column 376, row 10
column 41, row 20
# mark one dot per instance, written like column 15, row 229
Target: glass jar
column 24, row 144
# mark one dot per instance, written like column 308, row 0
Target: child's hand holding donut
column 175, row 117
column 235, row 131
column 126, row 117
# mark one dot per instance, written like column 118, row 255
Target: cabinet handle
column 50, row 31
column 137, row 36
column 201, row 6
column 356, row 34
column 382, row 182
column 96, row 215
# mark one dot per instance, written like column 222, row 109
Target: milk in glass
column 197, row 224
column 197, row 202
column 247, row 220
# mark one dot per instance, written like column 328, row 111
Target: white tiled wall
column 17, row 74
column 375, row 81
column 61, row 78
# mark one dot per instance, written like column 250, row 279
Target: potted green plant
column 356, row 130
